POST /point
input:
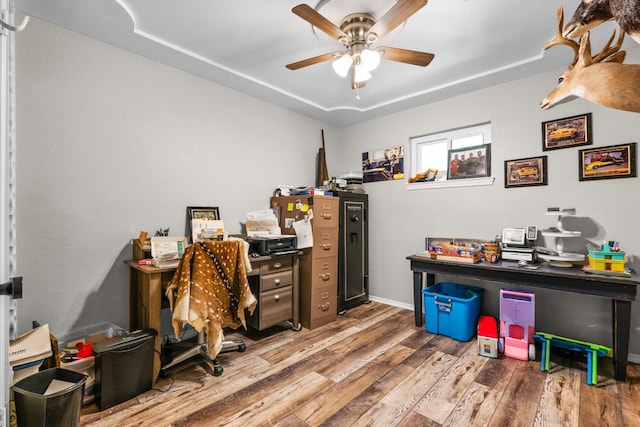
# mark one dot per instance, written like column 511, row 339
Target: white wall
column 110, row 143
column 399, row 219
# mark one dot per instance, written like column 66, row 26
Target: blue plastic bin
column 452, row 310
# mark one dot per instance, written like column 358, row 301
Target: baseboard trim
column 634, row 358
column 391, row 302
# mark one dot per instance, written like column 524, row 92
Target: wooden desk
column 620, row 290
column 146, row 288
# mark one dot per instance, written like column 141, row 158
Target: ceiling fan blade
column 399, row 13
column 310, row 15
column 312, row 61
column 407, row 56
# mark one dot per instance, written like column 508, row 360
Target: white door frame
column 8, row 323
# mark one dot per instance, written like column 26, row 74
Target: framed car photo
column 614, row 161
column 567, row 132
column 525, row 172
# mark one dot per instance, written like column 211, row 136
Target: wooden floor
column 374, row 367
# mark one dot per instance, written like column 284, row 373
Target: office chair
column 210, row 290
column 178, row 349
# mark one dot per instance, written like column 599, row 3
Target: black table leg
column 417, row 294
column 417, row 297
column 621, row 329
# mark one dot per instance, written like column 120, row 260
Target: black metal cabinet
column 353, row 254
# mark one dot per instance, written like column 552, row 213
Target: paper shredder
column 124, row 367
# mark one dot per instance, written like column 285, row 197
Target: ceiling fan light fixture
column 360, row 73
column 342, row 65
column 370, row 59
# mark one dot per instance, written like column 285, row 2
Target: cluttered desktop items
column 521, row 244
column 516, row 244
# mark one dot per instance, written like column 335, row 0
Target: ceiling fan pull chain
column 357, row 93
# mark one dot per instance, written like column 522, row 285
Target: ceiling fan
column 357, row 32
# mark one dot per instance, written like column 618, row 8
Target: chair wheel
column 217, row 368
column 242, row 348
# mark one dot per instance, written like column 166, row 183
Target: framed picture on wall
column 567, row 132
column 470, row 162
column 383, row 165
column 525, row 172
column 614, row 161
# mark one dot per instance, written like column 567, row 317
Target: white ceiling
column 245, row 45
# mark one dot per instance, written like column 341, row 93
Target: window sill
column 468, row 182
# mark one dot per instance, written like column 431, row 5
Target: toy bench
column 592, row 351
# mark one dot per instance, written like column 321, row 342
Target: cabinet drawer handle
column 325, row 276
column 276, row 282
column 326, row 216
column 277, row 265
column 324, row 307
column 276, row 298
column 326, row 246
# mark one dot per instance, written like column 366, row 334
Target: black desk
column 621, row 291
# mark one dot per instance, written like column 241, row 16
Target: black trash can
column 50, row 398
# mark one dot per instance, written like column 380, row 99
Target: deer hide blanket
column 198, row 295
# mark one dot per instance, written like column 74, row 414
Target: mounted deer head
column 602, row 78
column 591, row 13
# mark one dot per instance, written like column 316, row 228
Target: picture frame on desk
column 200, row 212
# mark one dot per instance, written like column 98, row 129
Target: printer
column 271, row 244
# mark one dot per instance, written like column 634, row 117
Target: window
column 431, row 152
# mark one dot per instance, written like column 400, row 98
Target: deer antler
column 562, row 40
column 610, row 53
column 602, row 78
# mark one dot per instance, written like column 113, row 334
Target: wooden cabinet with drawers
column 318, row 264
column 274, row 282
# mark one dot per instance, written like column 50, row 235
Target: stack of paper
column 207, row 229
column 167, row 251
